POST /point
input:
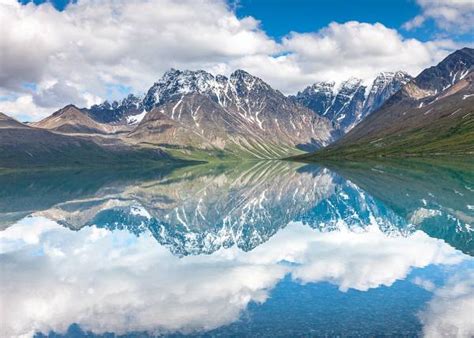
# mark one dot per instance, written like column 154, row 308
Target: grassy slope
column 253, row 150
column 444, row 128
column 439, row 138
column 30, row 148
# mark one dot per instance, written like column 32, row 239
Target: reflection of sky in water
column 300, row 281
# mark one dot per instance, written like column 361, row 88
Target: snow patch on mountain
column 178, row 83
column 135, row 119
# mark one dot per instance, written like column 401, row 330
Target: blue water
column 257, row 249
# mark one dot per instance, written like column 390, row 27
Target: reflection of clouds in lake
column 358, row 260
column 114, row 281
column 25, row 232
column 450, row 312
column 118, row 282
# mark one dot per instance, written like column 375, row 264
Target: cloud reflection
column 56, row 278
column 450, row 312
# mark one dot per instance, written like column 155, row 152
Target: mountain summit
column 350, row 102
column 241, row 114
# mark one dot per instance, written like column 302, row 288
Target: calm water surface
column 260, row 248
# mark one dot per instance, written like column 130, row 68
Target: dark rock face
column 452, row 69
column 383, row 87
column 117, row 112
column 350, row 102
column 317, row 97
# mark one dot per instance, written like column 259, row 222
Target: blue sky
column 282, row 16
column 93, row 50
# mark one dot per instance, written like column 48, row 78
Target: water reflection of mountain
column 200, row 209
column 437, row 197
column 23, row 193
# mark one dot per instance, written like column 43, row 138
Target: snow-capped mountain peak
column 347, row 103
column 385, row 85
column 351, row 83
column 249, row 82
column 218, row 87
column 177, row 83
column 117, row 111
column 325, row 87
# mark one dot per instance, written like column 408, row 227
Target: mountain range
column 196, row 115
column 347, row 104
column 241, row 114
column 431, row 115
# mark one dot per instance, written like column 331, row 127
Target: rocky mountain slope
column 350, row 102
column 24, row 146
column 128, row 111
column 241, row 114
column 72, row 120
column 432, row 114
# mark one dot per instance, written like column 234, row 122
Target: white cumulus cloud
column 449, row 15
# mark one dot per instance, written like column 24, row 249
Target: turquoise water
column 254, row 249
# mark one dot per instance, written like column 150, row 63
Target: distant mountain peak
column 451, row 69
column 9, row 122
column 181, row 82
column 242, row 74
column 347, row 103
column 384, row 77
column 351, row 82
column 431, row 114
column 245, row 83
column 463, row 52
column 176, row 83
column 323, row 87
column 117, row 111
column 69, row 109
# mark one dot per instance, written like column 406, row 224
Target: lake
column 267, row 248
